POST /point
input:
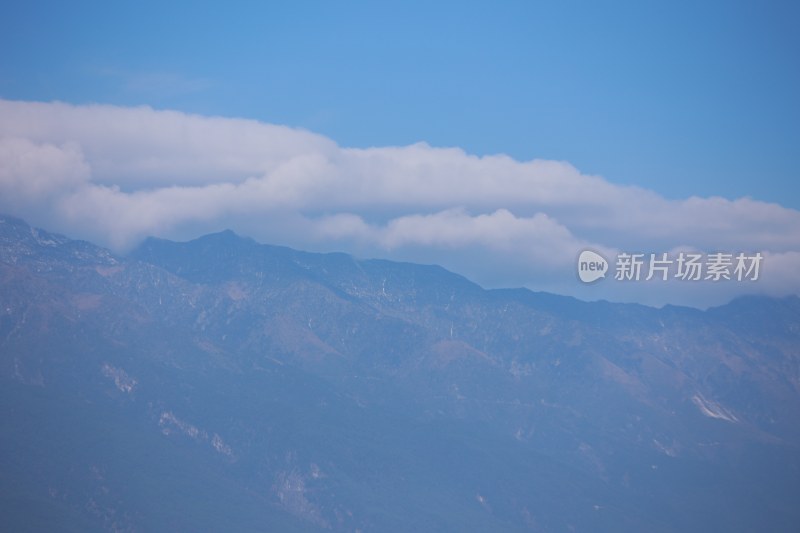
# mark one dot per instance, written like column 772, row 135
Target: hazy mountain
column 225, row 385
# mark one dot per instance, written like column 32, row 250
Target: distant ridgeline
column 225, row 385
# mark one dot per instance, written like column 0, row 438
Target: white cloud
column 117, row 174
column 33, row 172
column 139, row 147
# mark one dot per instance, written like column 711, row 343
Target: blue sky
column 686, row 98
column 496, row 139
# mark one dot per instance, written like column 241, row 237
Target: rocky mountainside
column 225, row 385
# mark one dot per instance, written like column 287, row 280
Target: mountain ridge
column 330, row 393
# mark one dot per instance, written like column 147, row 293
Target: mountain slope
column 222, row 384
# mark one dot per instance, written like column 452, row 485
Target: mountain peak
column 296, row 391
column 226, row 236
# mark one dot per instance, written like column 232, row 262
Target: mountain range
column 225, row 385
